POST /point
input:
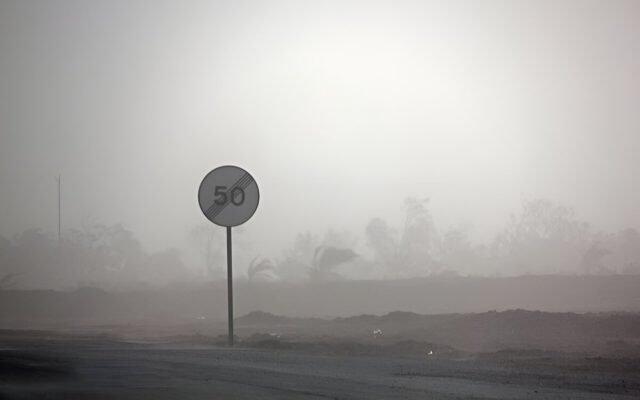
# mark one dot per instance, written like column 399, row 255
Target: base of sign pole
column 229, row 286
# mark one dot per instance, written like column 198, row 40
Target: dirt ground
column 39, row 365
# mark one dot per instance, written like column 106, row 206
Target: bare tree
column 382, row 239
column 419, row 238
column 295, row 264
column 209, row 243
column 543, row 238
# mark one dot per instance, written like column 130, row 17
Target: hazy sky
column 338, row 109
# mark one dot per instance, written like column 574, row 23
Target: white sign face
column 228, row 196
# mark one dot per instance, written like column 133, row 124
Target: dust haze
column 455, row 176
column 341, row 110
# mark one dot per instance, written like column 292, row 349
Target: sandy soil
column 41, row 366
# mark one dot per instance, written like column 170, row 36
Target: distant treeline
column 95, row 256
column 542, row 238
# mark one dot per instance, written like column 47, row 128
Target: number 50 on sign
column 228, row 196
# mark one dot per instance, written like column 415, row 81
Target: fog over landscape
column 340, row 110
column 448, row 199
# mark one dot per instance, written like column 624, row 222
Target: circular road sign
column 228, row 196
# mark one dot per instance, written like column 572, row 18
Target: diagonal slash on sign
column 216, row 209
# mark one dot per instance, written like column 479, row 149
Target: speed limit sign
column 228, row 197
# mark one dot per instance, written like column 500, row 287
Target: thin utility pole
column 59, row 179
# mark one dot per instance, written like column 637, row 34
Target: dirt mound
column 607, row 333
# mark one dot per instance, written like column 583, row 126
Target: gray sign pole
column 229, row 286
column 228, row 196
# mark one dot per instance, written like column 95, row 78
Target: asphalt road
column 113, row 370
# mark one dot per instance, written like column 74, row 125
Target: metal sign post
column 229, row 287
column 228, row 196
